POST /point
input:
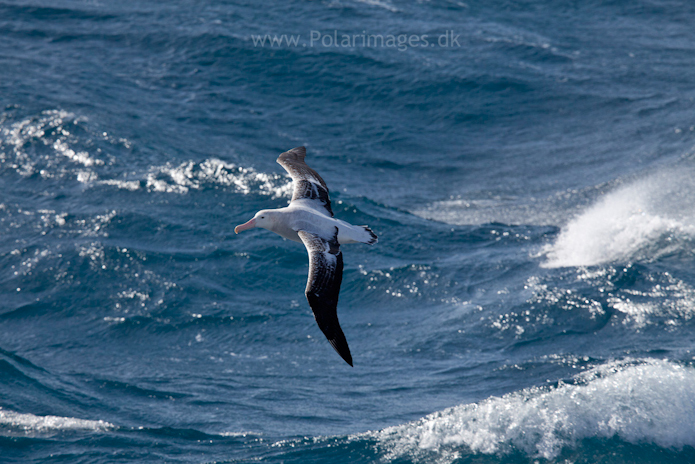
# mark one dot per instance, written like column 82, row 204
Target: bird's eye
column 262, row 217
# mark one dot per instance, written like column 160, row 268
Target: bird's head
column 264, row 219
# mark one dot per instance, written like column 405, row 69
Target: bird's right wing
column 323, row 287
column 308, row 185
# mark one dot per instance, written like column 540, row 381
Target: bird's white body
column 286, row 222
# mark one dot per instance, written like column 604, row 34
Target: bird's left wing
column 308, row 185
column 323, row 287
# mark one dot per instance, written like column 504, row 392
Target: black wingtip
column 373, row 236
column 341, row 347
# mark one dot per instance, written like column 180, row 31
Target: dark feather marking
column 307, row 182
column 304, row 189
column 323, row 288
column 373, row 236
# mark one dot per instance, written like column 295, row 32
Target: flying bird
column 309, row 219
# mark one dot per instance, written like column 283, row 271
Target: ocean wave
column 645, row 219
column 628, row 298
column 58, row 144
column 39, row 144
column 192, row 175
column 649, row 401
column 13, row 423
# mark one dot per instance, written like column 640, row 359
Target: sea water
column 529, row 169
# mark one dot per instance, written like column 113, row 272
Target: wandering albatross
column 309, row 219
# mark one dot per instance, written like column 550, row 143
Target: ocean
column 528, row 166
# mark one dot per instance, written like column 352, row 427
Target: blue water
column 531, row 178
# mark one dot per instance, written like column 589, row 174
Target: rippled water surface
column 528, row 167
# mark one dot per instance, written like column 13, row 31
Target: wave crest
column 645, row 219
column 12, row 423
column 192, row 175
column 639, row 402
column 57, row 144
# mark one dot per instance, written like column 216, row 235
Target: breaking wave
column 648, row 401
column 646, row 219
column 192, row 175
column 60, row 145
column 13, row 423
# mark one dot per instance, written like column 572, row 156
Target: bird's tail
column 347, row 233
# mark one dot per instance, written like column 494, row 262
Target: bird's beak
column 246, row 226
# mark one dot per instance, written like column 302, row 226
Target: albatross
column 309, row 219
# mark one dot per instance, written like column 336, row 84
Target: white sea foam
column 47, row 145
column 51, row 129
column 13, row 422
column 181, row 178
column 132, row 185
column 61, row 147
column 651, row 401
column 627, row 222
column 192, row 175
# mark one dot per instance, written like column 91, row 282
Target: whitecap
column 629, row 222
column 13, row 422
column 52, row 128
column 49, row 145
column 650, row 401
column 192, row 175
column 132, row 185
column 82, row 157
